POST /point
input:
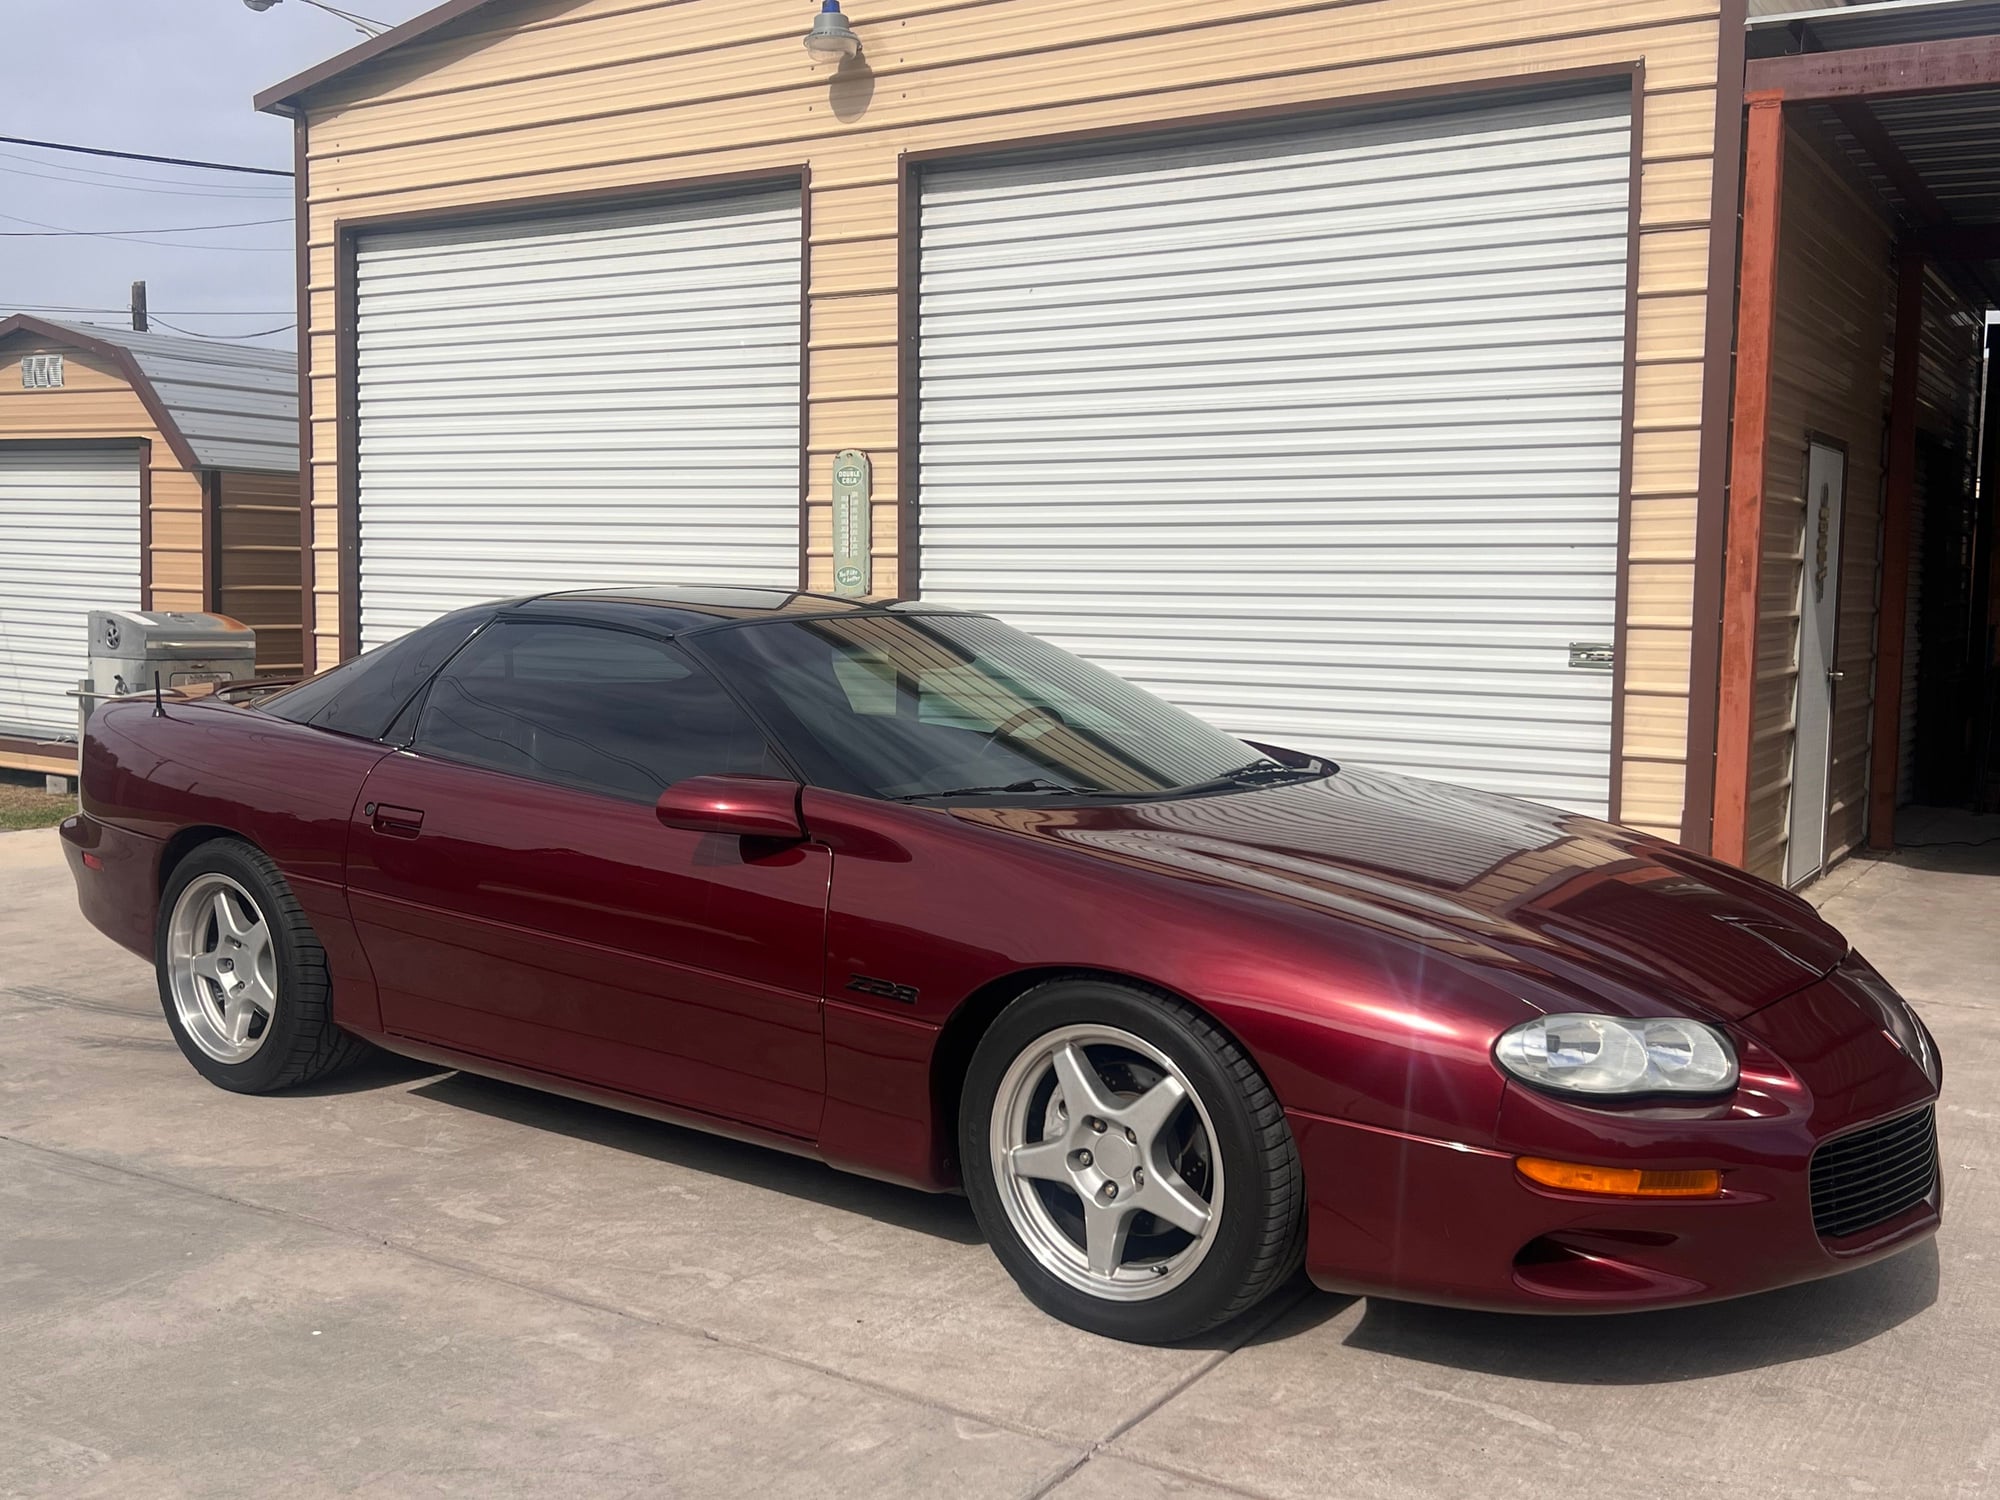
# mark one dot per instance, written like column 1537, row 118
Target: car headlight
column 1609, row 1055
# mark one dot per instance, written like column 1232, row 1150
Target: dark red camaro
column 905, row 889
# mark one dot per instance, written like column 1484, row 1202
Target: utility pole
column 138, row 307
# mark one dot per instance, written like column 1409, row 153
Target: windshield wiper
column 1032, row 784
column 1257, row 773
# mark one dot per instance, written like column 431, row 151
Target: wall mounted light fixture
column 363, row 24
column 831, row 39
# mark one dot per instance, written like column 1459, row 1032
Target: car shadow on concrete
column 378, row 1070
column 1689, row 1343
column 1692, row 1343
column 944, row 1216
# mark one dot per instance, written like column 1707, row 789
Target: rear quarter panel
column 285, row 788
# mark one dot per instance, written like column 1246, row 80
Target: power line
column 261, row 333
column 54, row 229
column 232, row 193
column 151, row 178
column 171, row 161
column 179, row 312
column 130, row 239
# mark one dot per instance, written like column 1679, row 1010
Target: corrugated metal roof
column 1889, row 23
column 1953, row 141
column 235, row 407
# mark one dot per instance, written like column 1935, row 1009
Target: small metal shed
column 137, row 471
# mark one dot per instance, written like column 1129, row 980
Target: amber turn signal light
column 1619, row 1182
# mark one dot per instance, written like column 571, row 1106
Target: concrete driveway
column 421, row 1283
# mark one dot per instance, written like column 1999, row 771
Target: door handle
column 1833, row 676
column 398, row 822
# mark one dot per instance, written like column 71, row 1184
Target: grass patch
column 23, row 803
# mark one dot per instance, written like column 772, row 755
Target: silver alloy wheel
column 1094, row 1170
column 222, row 968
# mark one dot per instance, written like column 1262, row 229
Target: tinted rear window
column 362, row 697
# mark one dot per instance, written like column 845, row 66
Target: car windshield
column 913, row 706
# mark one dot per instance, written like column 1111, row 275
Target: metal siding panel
column 952, row 64
column 568, row 402
column 69, row 543
column 235, row 405
column 591, row 64
column 258, row 554
column 1834, row 296
column 1317, row 434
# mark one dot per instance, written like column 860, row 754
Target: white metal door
column 69, row 543
column 578, row 401
column 1318, row 434
column 1819, row 614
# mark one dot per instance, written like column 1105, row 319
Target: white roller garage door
column 573, row 402
column 1316, row 433
column 69, row 543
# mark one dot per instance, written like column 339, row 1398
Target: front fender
column 927, row 910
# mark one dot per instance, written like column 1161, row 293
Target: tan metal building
column 137, row 471
column 1362, row 375
column 999, row 224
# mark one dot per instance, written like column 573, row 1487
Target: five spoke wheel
column 222, row 968
column 1106, row 1162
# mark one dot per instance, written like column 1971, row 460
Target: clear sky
column 175, row 78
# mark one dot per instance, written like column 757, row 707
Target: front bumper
column 1437, row 1221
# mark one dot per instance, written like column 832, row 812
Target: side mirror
column 755, row 807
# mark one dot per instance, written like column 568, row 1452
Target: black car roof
column 685, row 607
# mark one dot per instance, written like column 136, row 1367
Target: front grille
column 1872, row 1175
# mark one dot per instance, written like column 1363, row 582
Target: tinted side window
column 361, row 697
column 587, row 707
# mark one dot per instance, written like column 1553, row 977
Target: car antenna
column 159, row 708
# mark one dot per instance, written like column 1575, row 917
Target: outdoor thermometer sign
column 851, row 482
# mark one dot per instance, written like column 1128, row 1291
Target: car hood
column 1578, row 910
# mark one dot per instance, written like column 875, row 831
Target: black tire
column 302, row 1044
column 1260, row 1240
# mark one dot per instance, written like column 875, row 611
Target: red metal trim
column 1971, row 62
column 211, row 541
column 1899, row 491
column 346, row 447
column 1763, row 190
column 909, row 270
column 1712, row 485
column 805, row 380
column 145, row 525
column 302, row 271
column 1621, row 588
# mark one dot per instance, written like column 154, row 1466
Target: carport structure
column 1856, row 646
